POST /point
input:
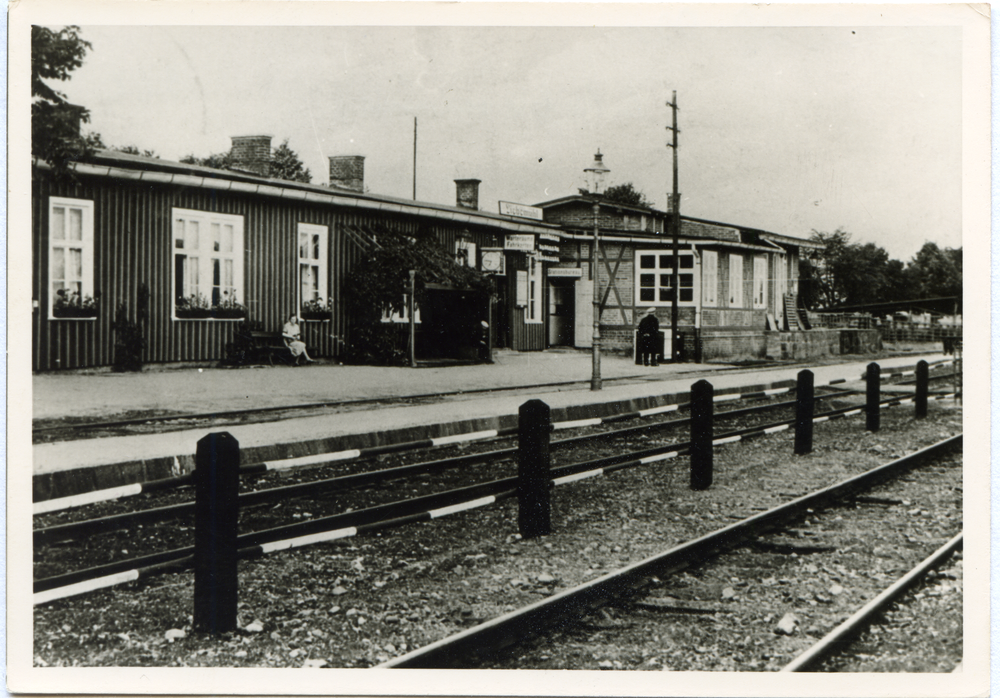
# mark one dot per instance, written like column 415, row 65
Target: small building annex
column 214, row 247
column 738, row 286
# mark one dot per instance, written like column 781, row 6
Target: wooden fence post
column 923, row 379
column 804, row 404
column 533, row 491
column 873, row 417
column 216, row 481
column 702, row 406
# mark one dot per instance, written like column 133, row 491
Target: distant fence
column 889, row 330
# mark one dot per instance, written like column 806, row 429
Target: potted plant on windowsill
column 70, row 304
column 229, row 308
column 317, row 309
column 194, row 306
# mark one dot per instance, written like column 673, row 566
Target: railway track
column 731, row 582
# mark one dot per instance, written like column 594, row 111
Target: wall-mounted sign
column 520, row 210
column 519, row 243
column 576, row 272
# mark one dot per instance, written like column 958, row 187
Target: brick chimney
column 252, row 154
column 467, row 193
column 348, row 172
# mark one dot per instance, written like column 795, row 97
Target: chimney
column 348, row 172
column 252, row 154
column 467, row 193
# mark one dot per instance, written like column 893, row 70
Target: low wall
column 860, row 341
column 811, row 344
column 733, row 346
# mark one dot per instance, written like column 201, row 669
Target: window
column 312, row 266
column 404, row 314
column 735, row 281
column 208, row 262
column 71, row 258
column 760, row 281
column 656, row 276
column 532, row 311
column 710, row 278
column 465, row 253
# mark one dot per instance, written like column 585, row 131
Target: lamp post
column 595, row 179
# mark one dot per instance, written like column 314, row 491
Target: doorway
column 561, row 312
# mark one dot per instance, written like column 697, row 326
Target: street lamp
column 595, row 180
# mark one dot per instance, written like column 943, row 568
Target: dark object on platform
column 533, row 484
column 873, row 417
column 804, row 404
column 217, row 482
column 922, row 382
column 702, row 405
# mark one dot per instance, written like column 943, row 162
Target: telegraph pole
column 414, row 158
column 675, row 206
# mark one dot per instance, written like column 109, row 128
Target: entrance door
column 500, row 314
column 561, row 311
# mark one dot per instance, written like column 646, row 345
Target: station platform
column 419, row 403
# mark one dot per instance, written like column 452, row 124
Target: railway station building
column 216, row 247
column 738, row 286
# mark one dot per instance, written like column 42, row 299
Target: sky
column 786, row 129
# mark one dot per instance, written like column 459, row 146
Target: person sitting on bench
column 293, row 339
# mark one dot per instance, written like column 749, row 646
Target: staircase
column 795, row 320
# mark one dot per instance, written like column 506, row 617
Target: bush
column 381, row 345
column 129, row 341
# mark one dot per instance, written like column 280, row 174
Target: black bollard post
column 873, row 417
column 804, row 404
column 702, row 405
column 216, row 507
column 923, row 378
column 533, row 428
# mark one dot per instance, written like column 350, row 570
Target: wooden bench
column 271, row 346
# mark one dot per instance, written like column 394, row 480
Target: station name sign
column 519, row 243
column 520, row 210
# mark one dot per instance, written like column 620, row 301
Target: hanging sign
column 519, row 243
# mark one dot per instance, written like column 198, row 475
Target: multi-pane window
column 710, row 278
column 533, row 311
column 656, row 278
column 208, row 259
column 735, row 281
column 465, row 253
column 312, row 264
column 71, row 255
column 402, row 315
column 760, row 281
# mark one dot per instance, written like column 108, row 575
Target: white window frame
column 206, row 254
column 85, row 245
column 404, row 315
column 710, row 278
column 465, row 253
column 760, row 281
column 735, row 280
column 311, row 264
column 533, row 307
column 658, row 273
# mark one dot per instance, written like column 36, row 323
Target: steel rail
column 503, row 631
column 835, row 639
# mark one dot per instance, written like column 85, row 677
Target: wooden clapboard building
column 738, row 286
column 215, row 247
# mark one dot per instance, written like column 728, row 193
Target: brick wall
column 348, row 172
column 252, row 154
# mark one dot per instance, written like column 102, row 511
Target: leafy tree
column 934, row 272
column 627, row 194
column 55, row 123
column 95, row 141
column 285, row 163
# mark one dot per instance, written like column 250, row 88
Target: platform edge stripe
column 727, row 440
column 907, row 401
column 301, row 541
column 658, row 410
column 835, row 416
column 851, row 413
column 755, row 395
column 459, row 438
column 775, row 430
column 462, row 506
column 817, row 420
column 776, row 391
column 79, row 500
column 84, row 586
column 577, row 476
column 310, row 460
column 907, row 373
column 838, row 380
column 577, row 423
column 727, row 397
column 659, row 457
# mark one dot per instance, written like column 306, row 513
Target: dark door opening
column 562, row 308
